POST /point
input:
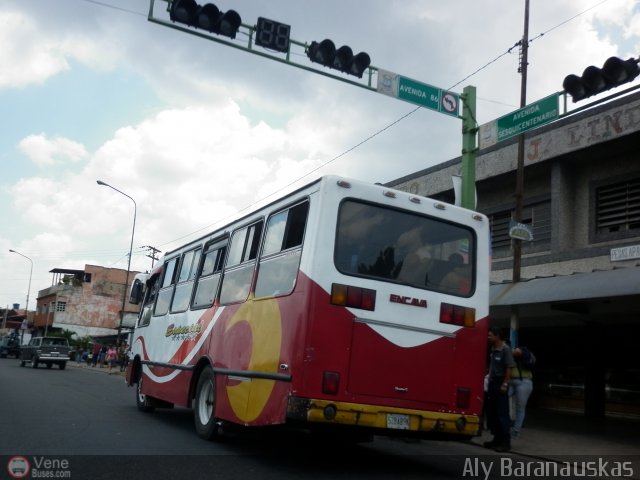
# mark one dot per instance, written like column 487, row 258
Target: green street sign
column 527, row 118
column 418, row 93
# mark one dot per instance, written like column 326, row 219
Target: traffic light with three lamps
column 207, row 17
column 342, row 59
column 594, row 80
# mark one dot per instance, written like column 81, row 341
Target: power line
column 114, row 7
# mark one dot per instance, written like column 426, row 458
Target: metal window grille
column 618, row 207
column 537, row 215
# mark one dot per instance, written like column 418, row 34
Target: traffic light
column 207, row 17
column 342, row 59
column 594, row 80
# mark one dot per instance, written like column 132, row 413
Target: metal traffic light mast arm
column 189, row 13
column 250, row 32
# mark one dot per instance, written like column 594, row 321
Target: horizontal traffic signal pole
column 275, row 35
column 251, row 31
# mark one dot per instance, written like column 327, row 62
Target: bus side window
column 210, row 270
column 166, row 289
column 240, row 264
column 280, row 258
column 188, row 267
column 149, row 299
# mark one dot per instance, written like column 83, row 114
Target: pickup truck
column 47, row 350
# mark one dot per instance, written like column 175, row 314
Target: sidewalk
column 84, row 366
column 549, row 433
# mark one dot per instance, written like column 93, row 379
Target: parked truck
column 48, row 350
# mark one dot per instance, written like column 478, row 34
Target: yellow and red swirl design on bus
column 257, row 324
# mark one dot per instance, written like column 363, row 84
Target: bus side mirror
column 137, row 291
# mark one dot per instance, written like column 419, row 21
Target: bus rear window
column 403, row 247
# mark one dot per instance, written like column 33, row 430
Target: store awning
column 578, row 286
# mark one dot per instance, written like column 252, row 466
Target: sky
column 196, row 132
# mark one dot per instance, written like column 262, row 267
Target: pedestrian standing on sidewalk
column 111, row 357
column 79, row 354
column 102, row 356
column 95, row 353
column 521, row 386
column 123, row 355
column 497, row 400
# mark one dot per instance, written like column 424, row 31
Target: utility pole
column 152, row 255
column 469, row 148
column 517, row 214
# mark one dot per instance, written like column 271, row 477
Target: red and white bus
column 342, row 304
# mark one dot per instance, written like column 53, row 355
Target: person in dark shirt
column 500, row 364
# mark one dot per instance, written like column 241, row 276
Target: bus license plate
column 398, row 421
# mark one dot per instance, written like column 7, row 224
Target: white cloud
column 29, row 55
column 47, row 152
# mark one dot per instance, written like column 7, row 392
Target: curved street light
column 126, row 280
column 26, row 315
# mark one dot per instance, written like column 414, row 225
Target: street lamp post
column 26, row 309
column 126, row 280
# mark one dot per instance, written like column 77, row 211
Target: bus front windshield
column 404, row 247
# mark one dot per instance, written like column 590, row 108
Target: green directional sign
column 527, row 118
column 418, row 93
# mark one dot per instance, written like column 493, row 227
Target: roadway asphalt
column 560, row 436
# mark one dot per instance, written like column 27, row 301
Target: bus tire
column 143, row 401
column 205, row 405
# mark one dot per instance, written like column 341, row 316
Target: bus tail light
column 330, row 382
column 457, row 315
column 354, row 297
column 463, row 397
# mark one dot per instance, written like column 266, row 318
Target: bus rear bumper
column 390, row 419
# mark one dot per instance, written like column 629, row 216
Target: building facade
column 87, row 302
column 577, row 303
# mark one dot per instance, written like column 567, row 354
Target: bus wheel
column 142, row 401
column 205, row 405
